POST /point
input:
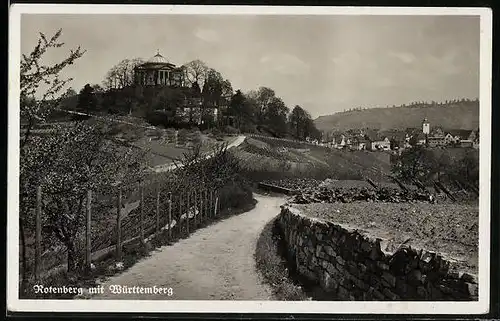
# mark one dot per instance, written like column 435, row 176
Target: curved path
column 216, row 262
column 172, row 166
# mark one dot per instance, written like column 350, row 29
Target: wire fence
column 120, row 216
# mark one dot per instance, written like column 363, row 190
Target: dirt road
column 216, row 262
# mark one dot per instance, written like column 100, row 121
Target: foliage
column 122, row 74
column 40, row 85
column 74, row 159
column 302, row 125
column 87, row 100
column 441, row 164
column 34, row 75
column 196, row 72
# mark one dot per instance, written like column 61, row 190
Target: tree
column 122, row 74
column 87, row 100
column 212, row 93
column 275, row 116
column 70, row 92
column 467, row 166
column 196, row 71
column 98, row 89
column 33, row 75
column 212, row 88
column 67, row 164
column 236, row 107
column 297, row 121
column 227, row 88
column 413, row 163
column 263, row 98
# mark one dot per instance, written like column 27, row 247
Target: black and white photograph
column 249, row 159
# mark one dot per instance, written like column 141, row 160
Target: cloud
column 405, row 57
column 446, row 63
column 207, row 35
column 285, row 63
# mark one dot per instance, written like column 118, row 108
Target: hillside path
column 214, row 263
column 238, row 140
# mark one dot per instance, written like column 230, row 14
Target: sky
column 323, row 63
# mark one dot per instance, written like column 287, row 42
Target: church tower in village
column 426, row 127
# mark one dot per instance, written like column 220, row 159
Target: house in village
column 397, row 138
column 462, row 138
column 339, row 141
column 381, row 144
column 436, row 138
column 358, row 143
column 375, row 141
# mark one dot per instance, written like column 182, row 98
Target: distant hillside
column 459, row 115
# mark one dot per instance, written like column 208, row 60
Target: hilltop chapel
column 158, row 71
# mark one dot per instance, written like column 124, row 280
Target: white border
column 351, row 307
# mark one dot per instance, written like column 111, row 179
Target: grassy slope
column 459, row 116
column 266, row 161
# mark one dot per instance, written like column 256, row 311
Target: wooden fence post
column 157, row 209
column 169, row 215
column 195, row 206
column 141, row 226
column 200, row 200
column 119, row 225
column 211, row 203
column 38, row 232
column 187, row 211
column 88, row 231
column 180, row 213
column 205, row 205
column 216, row 203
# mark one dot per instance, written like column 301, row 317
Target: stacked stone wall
column 351, row 266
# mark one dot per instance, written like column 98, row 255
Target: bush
column 230, row 130
column 157, row 118
column 236, row 194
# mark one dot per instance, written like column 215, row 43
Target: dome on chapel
column 158, row 59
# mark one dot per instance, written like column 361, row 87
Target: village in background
column 196, row 95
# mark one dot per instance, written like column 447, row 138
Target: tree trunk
column 72, row 257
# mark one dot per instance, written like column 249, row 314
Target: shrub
column 236, row 194
column 230, row 130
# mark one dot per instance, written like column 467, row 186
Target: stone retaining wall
column 352, row 266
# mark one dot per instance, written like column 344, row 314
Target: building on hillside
column 450, row 139
column 382, row 144
column 338, row 141
column 437, row 141
column 455, row 137
column 437, row 132
column 377, row 142
column 465, row 143
column 157, row 71
column 358, row 143
column 419, row 138
column 397, row 138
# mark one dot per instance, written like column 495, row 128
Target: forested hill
column 453, row 115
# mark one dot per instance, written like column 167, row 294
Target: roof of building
column 461, row 133
column 157, row 62
column 158, row 59
column 397, row 135
column 419, row 136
